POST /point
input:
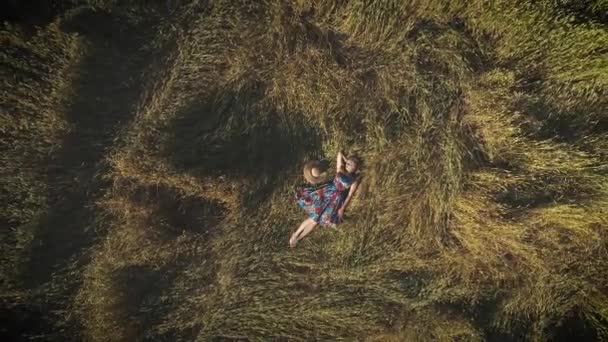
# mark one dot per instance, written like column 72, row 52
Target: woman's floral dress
column 321, row 202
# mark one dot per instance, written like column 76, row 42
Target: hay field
column 150, row 149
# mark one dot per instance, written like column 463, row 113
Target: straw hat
column 315, row 171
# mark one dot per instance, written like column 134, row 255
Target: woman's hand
column 341, row 213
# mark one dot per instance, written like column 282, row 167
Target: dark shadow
column 177, row 214
column 473, row 54
column 469, row 47
column 544, row 120
column 33, row 14
column 233, row 135
column 600, row 126
column 231, row 338
column 473, row 145
column 147, row 294
column 28, row 13
column 411, row 283
column 574, row 328
column 303, row 31
column 551, row 123
column 583, row 12
column 526, row 198
column 137, row 285
column 482, row 316
column 142, row 302
column 23, row 321
column 543, row 190
column 425, row 26
column 106, row 87
column 329, row 40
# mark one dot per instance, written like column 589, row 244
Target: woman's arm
column 351, row 192
column 340, row 162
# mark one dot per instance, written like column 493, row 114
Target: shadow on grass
column 146, row 294
column 575, row 327
column 145, row 300
column 468, row 46
column 106, row 86
column 176, row 214
column 548, row 121
column 232, row 135
column 105, row 90
column 552, row 123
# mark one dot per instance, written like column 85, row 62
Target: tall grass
column 482, row 213
column 36, row 76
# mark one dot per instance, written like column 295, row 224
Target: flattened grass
column 482, row 209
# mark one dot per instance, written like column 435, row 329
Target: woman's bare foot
column 293, row 241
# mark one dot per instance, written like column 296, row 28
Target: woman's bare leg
column 294, row 237
column 305, row 227
column 308, row 227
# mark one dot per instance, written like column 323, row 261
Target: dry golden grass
column 36, row 77
column 482, row 214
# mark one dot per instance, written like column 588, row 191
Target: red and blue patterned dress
column 321, row 203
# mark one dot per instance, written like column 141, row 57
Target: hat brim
column 310, row 178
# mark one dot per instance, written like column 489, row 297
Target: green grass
column 150, row 191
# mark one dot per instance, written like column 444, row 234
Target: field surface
column 149, row 152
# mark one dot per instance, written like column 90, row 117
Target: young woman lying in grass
column 326, row 202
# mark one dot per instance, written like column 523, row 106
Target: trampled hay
column 482, row 212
